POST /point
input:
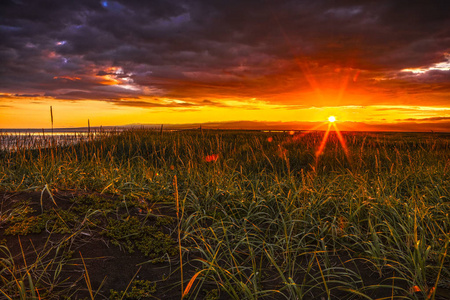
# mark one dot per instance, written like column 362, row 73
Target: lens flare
column 332, row 124
column 323, row 143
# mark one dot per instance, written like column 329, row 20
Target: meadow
column 209, row 214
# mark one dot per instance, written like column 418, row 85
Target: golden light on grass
column 331, row 119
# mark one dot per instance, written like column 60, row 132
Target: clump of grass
column 38, row 277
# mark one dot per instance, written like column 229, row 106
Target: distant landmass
column 418, row 126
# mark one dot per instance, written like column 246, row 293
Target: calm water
column 14, row 141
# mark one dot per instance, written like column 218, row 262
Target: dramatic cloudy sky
column 373, row 64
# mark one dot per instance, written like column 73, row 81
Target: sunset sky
column 375, row 65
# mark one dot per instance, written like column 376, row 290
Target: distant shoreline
column 182, row 128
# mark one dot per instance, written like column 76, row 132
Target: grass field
column 227, row 215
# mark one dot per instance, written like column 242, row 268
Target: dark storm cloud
column 91, row 95
column 203, row 48
column 27, row 95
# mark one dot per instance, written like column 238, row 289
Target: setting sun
column 331, row 119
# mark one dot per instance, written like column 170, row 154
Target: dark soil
column 108, row 266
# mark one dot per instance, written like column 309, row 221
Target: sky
column 374, row 65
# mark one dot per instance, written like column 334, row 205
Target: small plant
column 164, row 220
column 212, row 294
column 140, row 289
column 131, row 233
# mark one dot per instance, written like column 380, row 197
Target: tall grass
column 267, row 218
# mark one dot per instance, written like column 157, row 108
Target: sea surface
column 17, row 140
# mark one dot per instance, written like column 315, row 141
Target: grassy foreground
column 228, row 215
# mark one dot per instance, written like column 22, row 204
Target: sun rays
column 332, row 124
